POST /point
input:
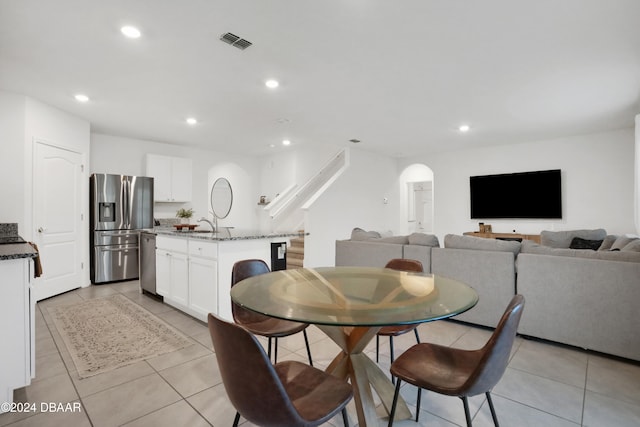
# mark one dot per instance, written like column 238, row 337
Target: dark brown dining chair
column 456, row 372
column 394, row 331
column 288, row 393
column 260, row 324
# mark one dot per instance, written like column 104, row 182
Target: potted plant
column 184, row 215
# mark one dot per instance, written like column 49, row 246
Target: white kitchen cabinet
column 172, row 177
column 172, row 271
column 203, row 278
column 18, row 331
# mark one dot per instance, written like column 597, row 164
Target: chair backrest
column 497, row 350
column 249, row 378
column 241, row 270
column 405, row 265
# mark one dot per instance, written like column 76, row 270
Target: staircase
column 295, row 253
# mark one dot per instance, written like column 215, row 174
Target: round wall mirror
column 221, row 198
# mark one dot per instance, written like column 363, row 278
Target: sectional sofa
column 581, row 297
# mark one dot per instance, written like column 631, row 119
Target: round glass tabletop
column 354, row 296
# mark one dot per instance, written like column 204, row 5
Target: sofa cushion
column 455, row 241
column 562, row 239
column 423, row 239
column 529, row 247
column 360, row 234
column 578, row 243
column 401, row 240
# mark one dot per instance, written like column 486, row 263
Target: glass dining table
column 350, row 305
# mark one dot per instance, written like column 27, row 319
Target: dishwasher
column 148, row 262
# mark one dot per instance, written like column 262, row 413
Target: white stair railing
column 289, row 205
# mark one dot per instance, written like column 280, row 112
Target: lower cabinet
column 186, row 275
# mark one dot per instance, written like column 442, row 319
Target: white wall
column 12, row 161
column 356, row 199
column 597, row 182
column 119, row 155
column 637, row 172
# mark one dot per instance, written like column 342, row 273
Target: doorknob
column 41, row 230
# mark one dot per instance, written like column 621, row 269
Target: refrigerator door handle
column 127, row 206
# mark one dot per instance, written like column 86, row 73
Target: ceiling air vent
column 236, row 41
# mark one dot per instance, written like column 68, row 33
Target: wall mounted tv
column 530, row 195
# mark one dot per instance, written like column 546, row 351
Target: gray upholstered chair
column 457, row 372
column 289, row 393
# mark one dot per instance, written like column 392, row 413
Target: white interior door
column 57, row 178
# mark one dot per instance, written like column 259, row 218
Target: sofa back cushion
column 359, row 234
column 529, row 247
column 455, row 241
column 423, row 239
column 562, row 239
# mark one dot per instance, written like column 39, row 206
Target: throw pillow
column 423, row 239
column 621, row 242
column 608, row 242
column 360, row 234
column 562, row 239
column 578, row 243
column 632, row 246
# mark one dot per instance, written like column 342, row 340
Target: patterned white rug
column 106, row 333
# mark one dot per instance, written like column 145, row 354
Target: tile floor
column 544, row 385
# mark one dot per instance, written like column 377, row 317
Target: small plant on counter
column 184, row 213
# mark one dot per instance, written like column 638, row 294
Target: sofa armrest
column 588, row 303
column 491, row 274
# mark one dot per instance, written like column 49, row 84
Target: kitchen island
column 17, row 309
column 193, row 269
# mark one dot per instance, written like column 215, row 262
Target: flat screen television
column 530, row 195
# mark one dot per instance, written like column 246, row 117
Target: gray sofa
column 580, row 297
column 370, row 249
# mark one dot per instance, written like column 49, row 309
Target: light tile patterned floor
column 545, row 385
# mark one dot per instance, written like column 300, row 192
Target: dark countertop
column 17, row 251
column 224, row 234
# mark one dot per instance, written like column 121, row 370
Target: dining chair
column 393, row 331
column 288, row 393
column 260, row 324
column 457, row 372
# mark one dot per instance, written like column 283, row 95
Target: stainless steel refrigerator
column 120, row 206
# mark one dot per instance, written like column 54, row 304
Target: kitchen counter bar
column 224, row 234
column 17, row 251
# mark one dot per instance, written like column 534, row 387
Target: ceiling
column 400, row 76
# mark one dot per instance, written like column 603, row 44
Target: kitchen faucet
column 213, row 227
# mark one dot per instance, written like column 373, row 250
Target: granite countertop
column 16, row 251
column 224, row 234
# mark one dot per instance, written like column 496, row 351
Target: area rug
column 107, row 333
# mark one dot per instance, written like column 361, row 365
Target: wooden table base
column 354, row 364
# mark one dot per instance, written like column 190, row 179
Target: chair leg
column 467, row 415
column 269, row 349
column 345, row 418
column 393, row 379
column 418, row 403
column 417, row 336
column 377, row 348
column 392, row 414
column 275, row 350
column 493, row 410
column 236, row 420
column 306, row 341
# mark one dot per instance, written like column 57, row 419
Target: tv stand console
column 505, row 236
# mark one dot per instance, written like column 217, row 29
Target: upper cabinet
column 173, row 178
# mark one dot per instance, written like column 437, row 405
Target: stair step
column 295, row 250
column 294, row 263
column 297, row 241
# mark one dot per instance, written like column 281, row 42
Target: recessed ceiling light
column 82, row 98
column 464, row 128
column 131, row 32
column 191, row 121
column 271, row 84
column 286, row 142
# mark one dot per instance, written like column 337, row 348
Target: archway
column 416, row 199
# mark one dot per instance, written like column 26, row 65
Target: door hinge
column 81, row 168
column 82, row 266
